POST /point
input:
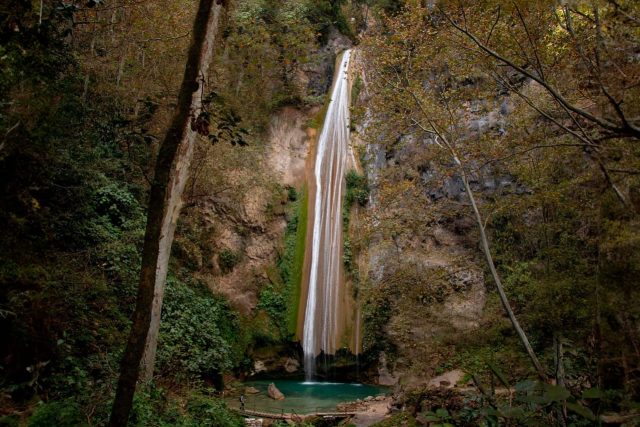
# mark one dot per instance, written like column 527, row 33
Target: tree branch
column 623, row 129
column 484, row 241
column 533, row 46
column 586, row 141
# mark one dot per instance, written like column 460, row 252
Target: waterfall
column 320, row 332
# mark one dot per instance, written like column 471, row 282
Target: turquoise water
column 305, row 397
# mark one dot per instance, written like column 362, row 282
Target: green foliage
column 281, row 299
column 193, row 249
column 37, row 53
column 155, row 407
column 317, row 121
column 54, row 327
column 531, row 403
column 439, row 418
column 357, row 110
column 292, row 262
column 57, row 414
column 537, row 402
column 357, row 192
column 275, row 304
column 376, row 313
column 327, row 14
column 71, row 205
column 212, row 412
column 227, row 260
column 565, row 245
column 218, row 122
column 117, row 205
column 357, row 189
column 198, row 333
column 347, row 255
column 268, row 43
column 10, row 421
column 398, row 419
column 391, row 7
column 76, row 154
column 292, row 194
column 358, row 84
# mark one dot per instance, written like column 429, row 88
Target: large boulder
column 259, row 366
column 251, row 390
column 274, row 393
column 447, row 380
column 291, row 365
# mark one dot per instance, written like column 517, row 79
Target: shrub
column 275, row 304
column 227, row 260
column 357, row 189
column 326, row 14
column 292, row 194
column 10, row 421
column 196, row 333
column 154, row 406
column 289, row 266
column 212, row 412
column 57, row 414
column 116, row 203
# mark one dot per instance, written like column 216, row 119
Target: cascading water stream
column 320, row 332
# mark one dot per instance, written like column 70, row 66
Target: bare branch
column 7, row 133
column 586, row 141
column 624, row 12
column 628, row 129
column 533, row 45
column 625, row 171
column 583, row 138
column 163, row 39
column 498, row 10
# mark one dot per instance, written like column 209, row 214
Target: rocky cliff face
column 315, row 77
column 423, row 286
column 251, row 225
column 237, row 203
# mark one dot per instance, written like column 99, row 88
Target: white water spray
column 323, row 299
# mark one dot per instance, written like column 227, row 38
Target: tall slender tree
column 171, row 173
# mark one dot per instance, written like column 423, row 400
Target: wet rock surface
column 315, row 77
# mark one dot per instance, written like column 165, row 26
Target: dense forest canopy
column 526, row 111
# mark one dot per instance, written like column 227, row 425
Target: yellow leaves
column 35, row 205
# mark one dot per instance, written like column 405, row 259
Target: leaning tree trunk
column 483, row 236
column 165, row 199
column 494, row 273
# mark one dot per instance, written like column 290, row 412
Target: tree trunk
column 559, row 356
column 182, row 162
column 165, row 199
